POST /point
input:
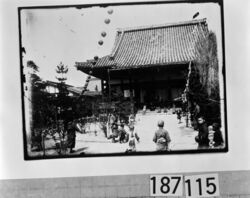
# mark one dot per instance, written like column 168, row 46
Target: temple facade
column 150, row 64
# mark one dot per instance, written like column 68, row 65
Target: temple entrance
column 159, row 96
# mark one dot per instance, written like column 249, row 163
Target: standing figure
column 71, row 135
column 132, row 138
column 218, row 139
column 211, row 136
column 112, row 119
column 115, row 133
column 161, row 137
column 108, row 126
column 179, row 115
column 122, row 133
column 202, row 137
column 196, row 115
column 144, row 110
column 131, row 119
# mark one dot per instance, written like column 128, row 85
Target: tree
column 42, row 107
column 63, row 101
column 122, row 104
column 32, row 65
column 207, row 64
column 42, row 103
column 204, row 78
column 61, row 69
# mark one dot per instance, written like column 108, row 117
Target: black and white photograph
column 123, row 79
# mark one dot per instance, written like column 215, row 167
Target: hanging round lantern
column 107, row 21
column 96, row 58
column 110, row 11
column 103, row 34
column 100, row 42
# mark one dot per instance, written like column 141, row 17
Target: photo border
column 137, row 153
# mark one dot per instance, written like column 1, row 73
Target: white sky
column 67, row 35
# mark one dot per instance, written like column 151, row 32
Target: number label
column 202, row 185
column 163, row 185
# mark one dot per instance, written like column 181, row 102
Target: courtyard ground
column 95, row 142
column 182, row 137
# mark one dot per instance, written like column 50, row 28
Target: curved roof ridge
column 144, row 46
column 128, row 29
column 116, row 45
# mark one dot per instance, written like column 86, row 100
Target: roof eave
column 132, row 67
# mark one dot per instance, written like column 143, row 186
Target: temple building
column 150, row 64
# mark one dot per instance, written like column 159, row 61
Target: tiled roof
column 92, row 93
column 153, row 45
column 78, row 91
column 74, row 90
column 55, row 84
column 105, row 61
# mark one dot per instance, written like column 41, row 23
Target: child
column 218, row 139
column 179, row 115
column 132, row 137
column 144, row 110
column 211, row 136
column 161, row 137
column 122, row 133
column 131, row 119
column 115, row 133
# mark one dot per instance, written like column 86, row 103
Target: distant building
column 52, row 88
column 94, row 84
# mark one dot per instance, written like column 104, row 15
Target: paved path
column 181, row 136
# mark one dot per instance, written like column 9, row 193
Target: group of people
column 130, row 135
column 63, row 134
column 126, row 133
column 208, row 136
column 118, row 133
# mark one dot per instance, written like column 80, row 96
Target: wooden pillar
column 122, row 86
column 170, row 84
column 102, row 86
column 109, row 86
column 152, row 89
column 131, row 93
column 137, row 93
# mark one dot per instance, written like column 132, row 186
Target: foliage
column 61, row 69
column 123, row 106
column 41, row 102
column 207, row 64
column 32, row 65
column 204, row 80
column 86, row 106
column 63, row 101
